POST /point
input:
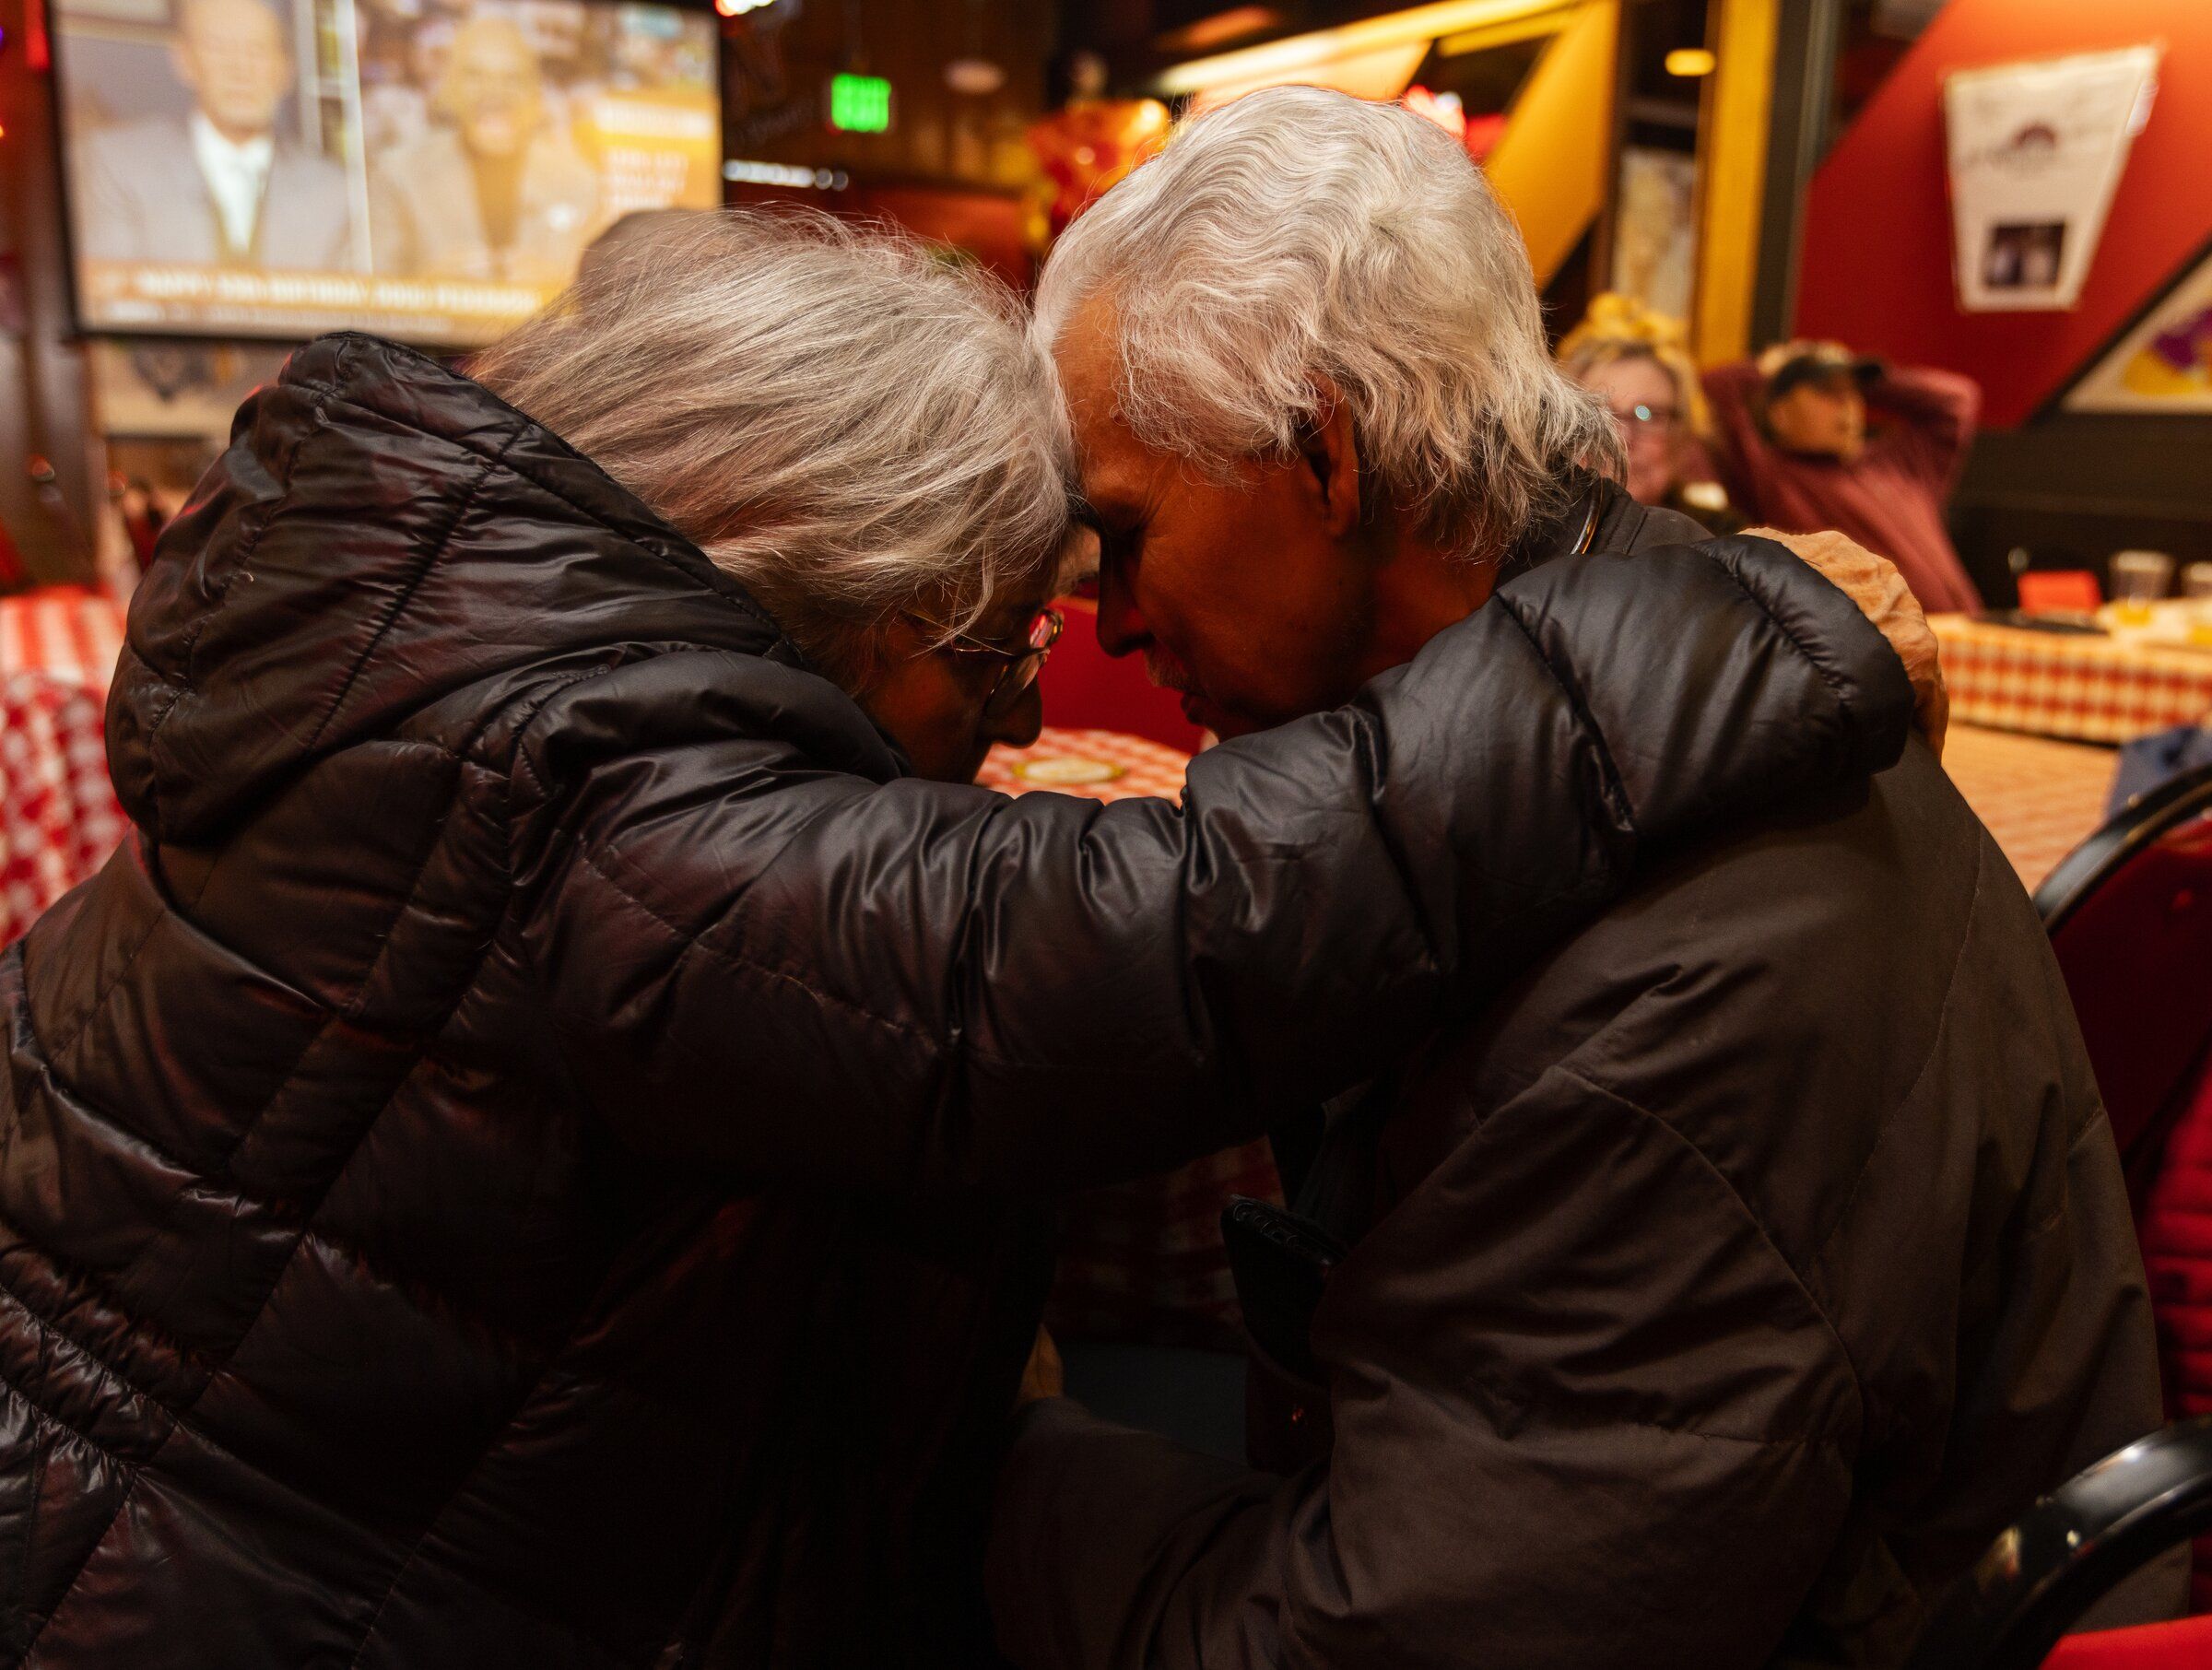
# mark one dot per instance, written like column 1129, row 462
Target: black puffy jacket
column 506, row 1167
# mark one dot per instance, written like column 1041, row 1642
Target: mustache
column 1166, row 672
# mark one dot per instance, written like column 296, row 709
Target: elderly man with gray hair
column 1713, row 1296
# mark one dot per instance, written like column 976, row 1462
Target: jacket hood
column 379, row 534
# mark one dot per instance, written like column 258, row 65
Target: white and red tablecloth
column 68, row 630
column 58, row 817
column 2080, row 688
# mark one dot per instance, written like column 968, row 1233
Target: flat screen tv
column 430, row 169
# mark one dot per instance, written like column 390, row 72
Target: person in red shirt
column 1795, row 447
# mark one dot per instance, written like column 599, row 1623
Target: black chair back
column 2129, row 913
column 2070, row 1549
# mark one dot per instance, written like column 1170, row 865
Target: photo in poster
column 2036, row 151
column 428, row 168
column 1656, row 228
column 2162, row 362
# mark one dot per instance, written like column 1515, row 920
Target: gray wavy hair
column 1296, row 234
column 841, row 418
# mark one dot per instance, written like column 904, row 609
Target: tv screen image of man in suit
column 224, row 185
column 426, row 169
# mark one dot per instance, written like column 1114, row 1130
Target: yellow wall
column 1549, row 165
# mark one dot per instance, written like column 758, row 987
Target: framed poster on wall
column 2036, row 151
column 2163, row 361
column 1656, row 228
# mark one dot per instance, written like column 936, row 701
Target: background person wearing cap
column 1798, row 455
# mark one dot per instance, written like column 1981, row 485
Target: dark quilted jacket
column 507, row 1166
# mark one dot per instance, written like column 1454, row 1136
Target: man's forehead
column 1088, row 355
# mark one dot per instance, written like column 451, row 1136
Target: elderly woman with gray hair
column 520, row 1160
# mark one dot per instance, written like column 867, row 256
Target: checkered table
column 2040, row 798
column 58, row 817
column 2084, row 689
column 67, row 630
column 1143, row 1262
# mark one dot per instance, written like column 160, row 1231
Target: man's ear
column 1329, row 454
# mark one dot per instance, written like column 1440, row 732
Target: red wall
column 1085, row 688
column 1876, row 268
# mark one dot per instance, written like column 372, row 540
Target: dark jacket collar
column 1598, row 515
column 1570, row 530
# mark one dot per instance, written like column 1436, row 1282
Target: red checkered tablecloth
column 1105, row 765
column 2087, row 690
column 67, row 630
column 1141, row 1262
column 58, row 817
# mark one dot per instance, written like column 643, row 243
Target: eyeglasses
column 1018, row 668
column 1637, row 416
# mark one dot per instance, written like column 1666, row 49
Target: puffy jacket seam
column 52, row 1417
column 307, row 1217
column 434, row 552
column 532, row 709
column 1943, row 1016
column 300, row 1229
column 1373, row 749
column 48, row 1052
column 694, row 941
column 414, row 1554
column 30, row 1531
column 745, row 606
column 349, row 1015
column 429, row 1296
column 73, row 1271
column 177, row 1422
column 355, row 1005
column 137, row 1472
column 1827, row 675
column 100, row 1285
column 198, row 1434
column 1751, row 1217
column 248, row 546
column 1615, row 792
column 969, row 1047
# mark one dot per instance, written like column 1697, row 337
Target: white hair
column 1297, row 235
column 846, row 420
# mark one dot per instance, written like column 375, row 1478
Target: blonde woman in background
column 1637, row 361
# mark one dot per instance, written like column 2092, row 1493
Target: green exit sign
column 860, row 104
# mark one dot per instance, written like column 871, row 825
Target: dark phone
column 2066, row 626
column 1281, row 1264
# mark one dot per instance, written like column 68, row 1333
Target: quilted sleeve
column 813, row 976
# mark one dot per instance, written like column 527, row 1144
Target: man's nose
column 1122, row 630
